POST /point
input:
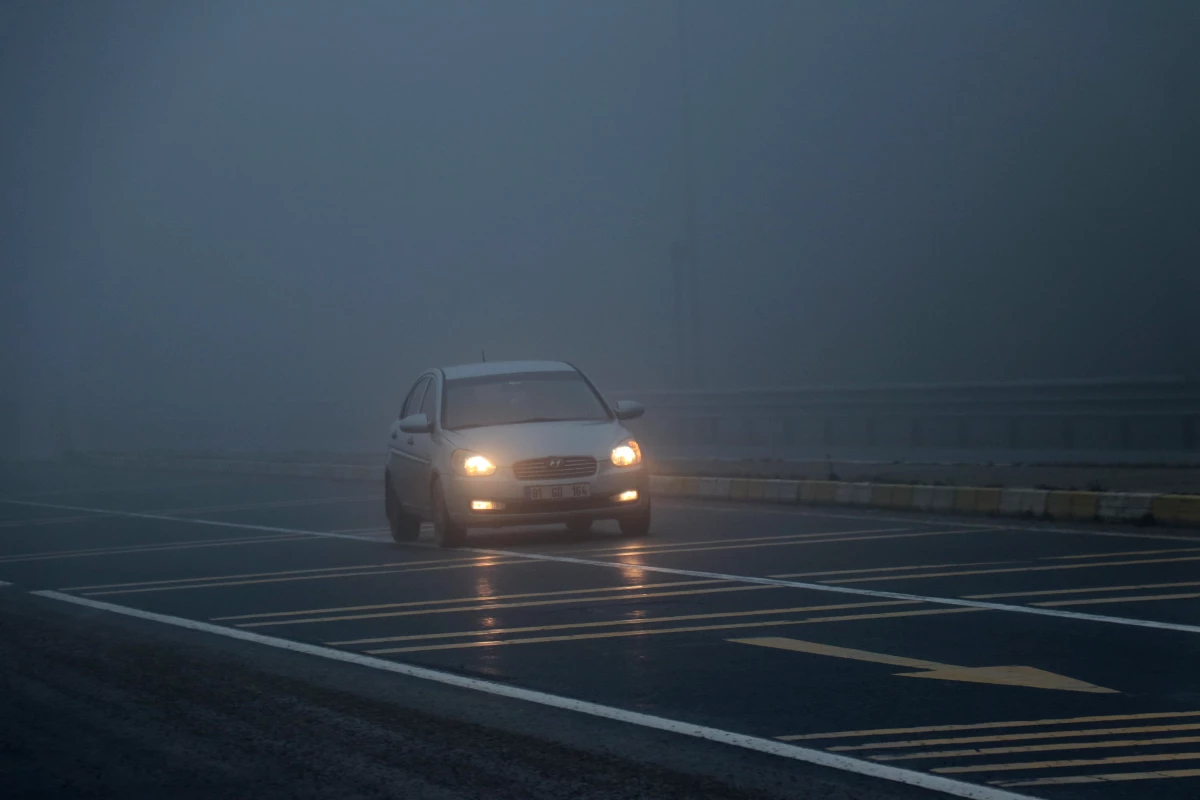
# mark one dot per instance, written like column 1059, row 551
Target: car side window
column 427, row 406
column 415, row 397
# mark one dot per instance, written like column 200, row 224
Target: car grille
column 539, row 469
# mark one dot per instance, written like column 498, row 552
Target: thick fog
column 218, row 215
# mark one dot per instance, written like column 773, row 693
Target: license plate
column 565, row 491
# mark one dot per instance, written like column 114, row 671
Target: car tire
column 636, row 525
column 445, row 532
column 404, row 526
column 579, row 527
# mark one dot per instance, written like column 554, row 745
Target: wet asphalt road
column 1011, row 698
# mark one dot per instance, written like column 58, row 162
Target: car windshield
column 520, row 397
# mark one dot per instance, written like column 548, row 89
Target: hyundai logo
column 554, row 463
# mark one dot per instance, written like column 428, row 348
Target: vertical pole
column 678, row 290
column 697, row 372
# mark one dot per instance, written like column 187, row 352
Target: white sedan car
column 512, row 443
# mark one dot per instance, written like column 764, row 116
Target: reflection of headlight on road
column 627, row 454
column 473, row 464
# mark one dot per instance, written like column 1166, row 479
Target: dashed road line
column 1077, row 762
column 492, row 606
column 276, row 573
column 977, row 726
column 455, row 564
column 1111, row 777
column 1086, row 590
column 1122, row 553
column 608, row 623
column 1022, row 569
column 1018, row 737
column 1142, row 598
column 795, row 542
column 472, row 599
column 661, row 631
column 1039, row 748
column 907, row 568
column 841, row 589
column 636, row 549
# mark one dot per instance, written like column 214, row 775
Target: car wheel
column 579, row 526
column 637, row 524
column 404, row 526
column 445, row 532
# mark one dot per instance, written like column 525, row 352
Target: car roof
column 504, row 368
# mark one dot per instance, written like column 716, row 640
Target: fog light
column 627, row 497
column 486, row 505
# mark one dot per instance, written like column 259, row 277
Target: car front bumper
column 504, row 488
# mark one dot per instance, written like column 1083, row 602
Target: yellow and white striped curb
column 1054, row 504
column 1165, row 509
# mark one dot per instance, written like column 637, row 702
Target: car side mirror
column 627, row 409
column 416, row 423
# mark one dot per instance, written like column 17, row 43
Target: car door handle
column 410, row 440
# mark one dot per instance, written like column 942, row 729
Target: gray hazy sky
column 241, row 204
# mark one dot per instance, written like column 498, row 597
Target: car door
column 402, row 460
column 421, row 447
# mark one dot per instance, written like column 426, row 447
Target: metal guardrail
column 1144, row 415
column 1136, row 420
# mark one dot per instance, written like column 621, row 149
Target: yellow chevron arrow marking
column 1030, row 677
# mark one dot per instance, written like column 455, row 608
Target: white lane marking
column 372, row 529
column 140, row 488
column 26, row 523
column 5, row 583
column 210, row 522
column 935, row 783
column 825, row 587
column 271, row 505
column 51, row 555
column 819, row 587
column 97, row 515
column 927, row 518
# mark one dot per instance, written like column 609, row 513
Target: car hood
column 504, row 444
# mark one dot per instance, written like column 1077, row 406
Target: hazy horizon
column 218, row 211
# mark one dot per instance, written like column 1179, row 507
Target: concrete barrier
column 1072, row 505
column 860, row 494
column 776, row 491
column 1125, row 507
column 1023, row 502
column 817, row 492
column 890, row 495
column 941, row 499
column 1177, row 509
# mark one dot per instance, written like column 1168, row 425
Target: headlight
column 627, row 453
column 472, row 464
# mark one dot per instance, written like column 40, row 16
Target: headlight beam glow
column 627, row 454
column 472, row 464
